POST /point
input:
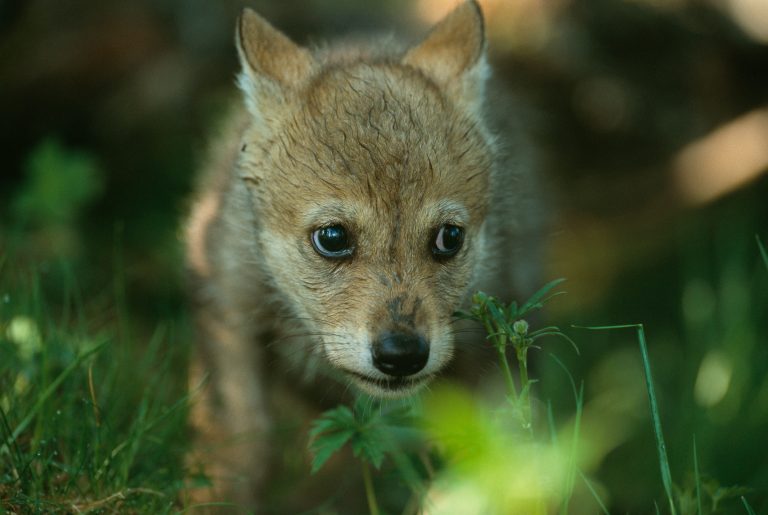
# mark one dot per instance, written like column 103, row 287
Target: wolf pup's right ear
column 271, row 63
column 453, row 54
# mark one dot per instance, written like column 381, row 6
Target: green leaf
column 535, row 299
column 324, row 446
column 340, row 417
column 512, row 311
column 497, row 314
column 58, row 183
column 329, row 433
column 368, row 427
column 370, row 447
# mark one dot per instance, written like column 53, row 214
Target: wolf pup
column 347, row 211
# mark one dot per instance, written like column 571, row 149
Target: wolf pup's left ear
column 453, row 53
column 271, row 63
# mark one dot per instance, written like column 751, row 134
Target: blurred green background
column 651, row 121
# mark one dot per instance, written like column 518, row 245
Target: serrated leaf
column 322, row 426
column 370, row 447
column 325, row 445
column 337, row 418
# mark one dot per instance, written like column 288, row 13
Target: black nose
column 400, row 354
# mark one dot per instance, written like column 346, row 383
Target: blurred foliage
column 57, row 184
column 489, row 468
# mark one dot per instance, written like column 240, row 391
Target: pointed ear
column 271, row 63
column 454, row 50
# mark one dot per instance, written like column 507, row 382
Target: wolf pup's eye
column 332, row 242
column 448, row 241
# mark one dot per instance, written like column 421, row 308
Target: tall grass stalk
column 697, row 477
column 578, row 395
column 88, row 421
column 666, row 475
column 45, row 395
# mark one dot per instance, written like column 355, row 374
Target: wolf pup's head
column 370, row 173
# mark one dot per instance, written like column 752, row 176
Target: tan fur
column 390, row 142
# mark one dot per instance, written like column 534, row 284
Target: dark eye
column 448, row 241
column 332, row 241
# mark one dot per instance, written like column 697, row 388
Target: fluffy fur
column 390, row 142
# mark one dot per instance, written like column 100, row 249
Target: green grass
column 90, row 421
column 661, row 447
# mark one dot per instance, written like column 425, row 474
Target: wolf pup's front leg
column 229, row 414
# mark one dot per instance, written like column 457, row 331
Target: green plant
column 507, row 327
column 58, row 183
column 89, row 418
column 453, row 420
column 368, row 427
column 661, row 447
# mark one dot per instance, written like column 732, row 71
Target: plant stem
column 522, row 361
column 373, row 508
column 661, row 448
column 500, row 342
column 507, row 374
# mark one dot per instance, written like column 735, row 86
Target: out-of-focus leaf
column 59, row 183
column 324, row 446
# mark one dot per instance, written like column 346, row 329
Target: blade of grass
column 579, row 399
column 666, row 475
column 16, row 457
column 47, row 393
column 594, row 493
column 539, row 295
column 698, row 478
column 551, row 423
column 747, row 507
